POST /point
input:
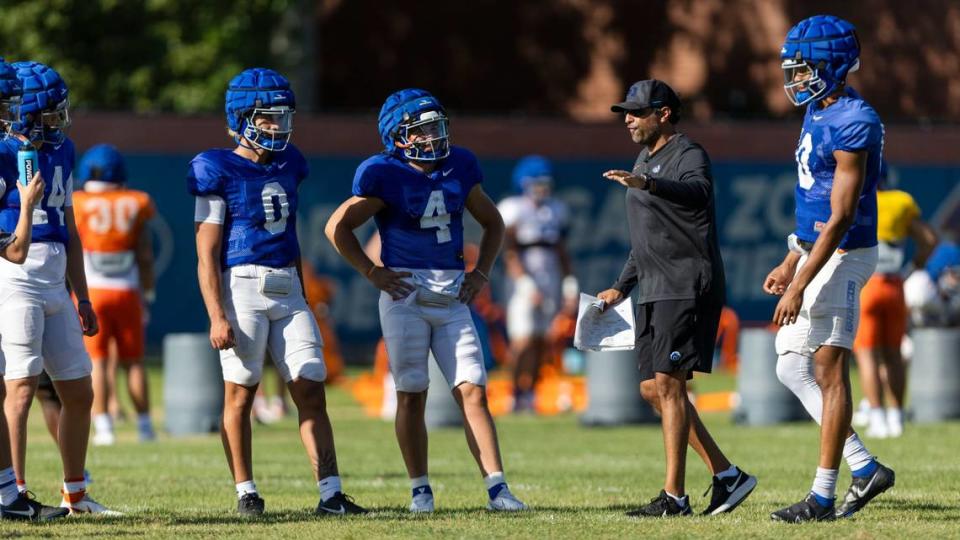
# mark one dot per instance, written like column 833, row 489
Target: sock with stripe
column 421, row 485
column 495, row 482
column 825, row 486
column 74, row 489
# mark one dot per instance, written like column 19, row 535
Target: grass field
column 579, row 482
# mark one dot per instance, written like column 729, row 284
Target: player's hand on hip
column 31, row 193
column 777, row 280
column 221, row 335
column 610, row 297
column 472, row 284
column 88, row 319
column 626, row 178
column 788, row 308
column 390, row 282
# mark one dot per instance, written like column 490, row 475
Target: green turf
column 579, row 482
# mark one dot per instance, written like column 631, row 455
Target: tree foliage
column 144, row 55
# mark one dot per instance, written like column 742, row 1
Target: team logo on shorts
column 675, row 356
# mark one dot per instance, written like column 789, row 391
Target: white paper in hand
column 610, row 330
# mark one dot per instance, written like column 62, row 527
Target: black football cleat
column 339, row 505
column 26, row 508
column 662, row 506
column 728, row 493
column 806, row 510
column 863, row 490
column 250, row 505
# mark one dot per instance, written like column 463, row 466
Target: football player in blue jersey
column 832, row 254
column 250, row 279
column 38, row 320
column 14, row 245
column 417, row 191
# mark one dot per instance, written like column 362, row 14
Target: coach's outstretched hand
column 626, row 178
column 390, row 282
column 610, row 297
column 221, row 335
column 473, row 283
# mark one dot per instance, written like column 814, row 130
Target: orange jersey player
column 112, row 222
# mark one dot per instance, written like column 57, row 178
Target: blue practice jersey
column 422, row 225
column 850, row 125
column 261, row 203
column 56, row 167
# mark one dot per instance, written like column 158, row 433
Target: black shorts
column 677, row 335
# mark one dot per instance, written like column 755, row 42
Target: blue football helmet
column 816, row 57
column 257, row 95
column 44, row 110
column 102, row 162
column 11, row 92
column 532, row 170
column 413, row 123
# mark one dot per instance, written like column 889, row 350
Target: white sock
column 8, row 487
column 329, row 487
column 22, row 486
column 492, row 481
column 729, row 473
column 419, row 482
column 878, row 417
column 825, row 483
column 894, row 416
column 246, row 487
column 102, row 423
column 681, row 501
column 855, row 453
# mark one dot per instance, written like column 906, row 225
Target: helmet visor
column 57, row 119
column 801, row 82
column 270, row 128
column 9, row 111
column 426, row 138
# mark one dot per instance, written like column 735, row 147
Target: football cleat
column 663, row 505
column 504, row 501
column 87, row 505
column 26, row 508
column 728, row 493
column 250, row 504
column 422, row 502
column 339, row 505
column 806, row 510
column 863, row 489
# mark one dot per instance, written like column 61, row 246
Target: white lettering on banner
column 764, row 206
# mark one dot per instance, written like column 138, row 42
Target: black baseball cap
column 649, row 93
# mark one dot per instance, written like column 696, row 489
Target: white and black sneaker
column 250, row 504
column 339, row 505
column 26, row 508
column 863, row 489
column 728, row 493
column 663, row 505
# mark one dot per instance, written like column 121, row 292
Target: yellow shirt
column 896, row 210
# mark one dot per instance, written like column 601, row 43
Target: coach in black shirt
column 675, row 265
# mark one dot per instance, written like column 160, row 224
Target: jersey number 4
column 55, row 200
column 276, row 208
column 436, row 215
